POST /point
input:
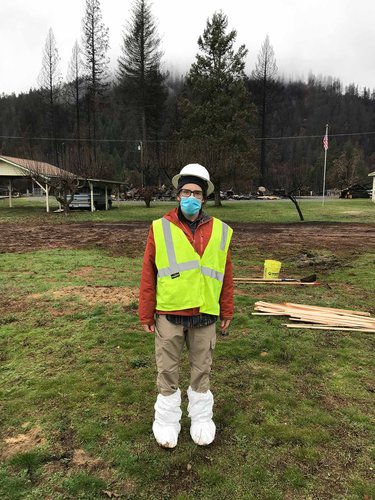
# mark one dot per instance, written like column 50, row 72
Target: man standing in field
column 186, row 285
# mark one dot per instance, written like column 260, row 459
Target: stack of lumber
column 316, row 317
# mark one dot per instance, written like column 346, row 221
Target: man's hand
column 149, row 328
column 224, row 325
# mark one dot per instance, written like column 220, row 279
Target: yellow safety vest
column 186, row 280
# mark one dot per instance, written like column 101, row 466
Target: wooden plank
column 304, row 306
column 333, row 322
column 268, row 314
column 329, row 318
column 271, row 282
column 336, row 317
column 266, row 280
column 317, row 315
column 301, row 308
column 326, row 327
column 269, row 309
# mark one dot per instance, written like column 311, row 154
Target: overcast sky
column 325, row 37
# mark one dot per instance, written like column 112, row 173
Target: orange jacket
column 147, row 292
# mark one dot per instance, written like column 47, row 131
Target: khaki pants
column 169, row 343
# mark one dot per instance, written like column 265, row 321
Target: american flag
column 325, row 142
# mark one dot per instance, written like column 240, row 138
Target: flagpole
column 325, row 164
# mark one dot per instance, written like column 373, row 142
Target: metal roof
column 33, row 167
column 21, row 167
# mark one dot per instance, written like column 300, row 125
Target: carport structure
column 42, row 173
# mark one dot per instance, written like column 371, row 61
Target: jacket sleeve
column 147, row 289
column 226, row 297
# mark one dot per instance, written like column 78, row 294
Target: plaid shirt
column 192, row 321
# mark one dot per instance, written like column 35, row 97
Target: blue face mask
column 190, row 206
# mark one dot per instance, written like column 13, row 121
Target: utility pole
column 325, row 146
column 140, row 149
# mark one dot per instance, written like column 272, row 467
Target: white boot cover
column 166, row 426
column 200, row 406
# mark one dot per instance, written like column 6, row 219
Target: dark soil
column 129, row 238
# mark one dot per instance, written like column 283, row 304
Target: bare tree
column 79, row 160
column 148, row 193
column 79, row 168
column 348, row 168
column 54, row 181
column 63, row 183
column 50, row 80
column 76, row 84
column 265, row 75
column 161, row 159
column 63, row 189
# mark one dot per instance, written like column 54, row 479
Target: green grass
column 294, row 409
column 333, row 210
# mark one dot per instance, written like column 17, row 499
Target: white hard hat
column 197, row 171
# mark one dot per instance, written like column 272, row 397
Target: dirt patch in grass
column 22, row 443
column 316, row 259
column 83, row 271
column 10, row 306
column 240, row 291
column 129, row 239
column 332, row 403
column 82, row 459
column 100, row 294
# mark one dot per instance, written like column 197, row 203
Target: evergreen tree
column 142, row 90
column 216, row 110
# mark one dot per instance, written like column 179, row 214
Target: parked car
column 82, row 199
column 4, row 192
column 355, row 191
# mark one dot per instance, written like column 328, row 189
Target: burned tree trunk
column 292, row 197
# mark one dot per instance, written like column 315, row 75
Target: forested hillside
column 141, row 124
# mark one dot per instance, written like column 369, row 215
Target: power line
column 72, row 139
column 320, row 136
column 136, row 141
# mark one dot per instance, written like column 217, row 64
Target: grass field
column 333, row 210
column 294, row 409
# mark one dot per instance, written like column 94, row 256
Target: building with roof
column 43, row 174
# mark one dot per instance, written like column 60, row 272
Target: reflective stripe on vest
column 216, row 275
column 173, row 269
column 186, row 280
